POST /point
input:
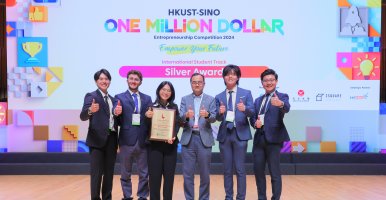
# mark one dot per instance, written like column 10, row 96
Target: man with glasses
column 130, row 112
column 199, row 111
column 234, row 106
column 270, row 134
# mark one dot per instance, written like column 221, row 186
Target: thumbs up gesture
column 149, row 113
column 203, row 112
column 190, row 112
column 275, row 101
column 258, row 123
column 222, row 108
column 94, row 106
column 118, row 108
column 241, row 105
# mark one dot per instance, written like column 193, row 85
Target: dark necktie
column 263, row 109
column 135, row 102
column 230, row 108
column 107, row 103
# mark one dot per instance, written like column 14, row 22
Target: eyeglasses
column 269, row 80
column 166, row 90
column 197, row 82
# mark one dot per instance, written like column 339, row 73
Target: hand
column 241, row 106
column 203, row 112
column 171, row 140
column 258, row 123
column 149, row 113
column 118, row 109
column 189, row 113
column 94, row 107
column 275, row 101
column 222, row 108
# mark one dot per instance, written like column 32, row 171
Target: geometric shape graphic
column 52, row 86
column 25, row 118
column 328, row 146
column 38, row 14
column 286, row 147
column 314, row 134
column 366, row 66
column 82, row 147
column 3, row 113
column 357, row 134
column 382, row 151
column 343, row 3
column 54, row 145
column 10, row 117
column 10, row 3
column 299, row 146
column 70, row 146
column 343, row 60
column 3, row 150
column 373, row 32
column 366, row 44
column 70, row 132
column 32, row 52
column 347, row 72
column 353, row 21
column 10, row 29
column 49, row 76
column 46, row 1
column 57, row 71
column 382, row 108
column 37, row 70
column 41, row 132
column 374, row 3
column 39, row 89
column 357, row 147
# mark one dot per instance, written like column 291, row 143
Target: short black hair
column 229, row 68
column 197, row 74
column 135, row 72
column 102, row 71
column 268, row 72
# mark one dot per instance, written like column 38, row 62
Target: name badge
column 261, row 117
column 136, row 119
column 230, row 116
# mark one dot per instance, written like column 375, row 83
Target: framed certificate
column 162, row 124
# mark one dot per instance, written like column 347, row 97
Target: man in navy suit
column 101, row 136
column 199, row 111
column 130, row 111
column 234, row 106
column 270, row 134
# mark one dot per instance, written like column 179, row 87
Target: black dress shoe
column 141, row 198
column 130, row 198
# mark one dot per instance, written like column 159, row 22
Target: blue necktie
column 107, row 103
column 135, row 102
column 230, row 108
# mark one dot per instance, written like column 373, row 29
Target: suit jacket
column 204, row 124
column 274, row 128
column 98, row 129
column 241, row 118
column 128, row 133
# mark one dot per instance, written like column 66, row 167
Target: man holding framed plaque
column 130, row 112
column 165, row 122
column 199, row 111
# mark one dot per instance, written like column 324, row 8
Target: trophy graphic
column 32, row 48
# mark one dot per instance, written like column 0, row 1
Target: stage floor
column 313, row 187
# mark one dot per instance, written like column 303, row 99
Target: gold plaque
column 162, row 124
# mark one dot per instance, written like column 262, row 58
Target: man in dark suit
column 199, row 111
column 130, row 112
column 234, row 106
column 101, row 136
column 270, row 134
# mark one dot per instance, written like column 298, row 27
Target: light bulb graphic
column 366, row 68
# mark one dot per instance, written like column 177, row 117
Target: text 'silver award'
column 162, row 124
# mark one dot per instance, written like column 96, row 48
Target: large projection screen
column 327, row 55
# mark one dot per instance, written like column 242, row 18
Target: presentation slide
column 326, row 53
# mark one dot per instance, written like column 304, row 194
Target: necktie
column 264, row 106
column 135, row 102
column 230, row 104
column 230, row 108
column 107, row 103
